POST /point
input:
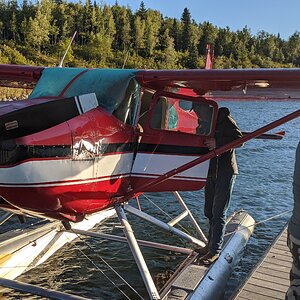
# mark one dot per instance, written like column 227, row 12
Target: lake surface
column 263, row 188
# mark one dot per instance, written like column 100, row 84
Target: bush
column 11, row 56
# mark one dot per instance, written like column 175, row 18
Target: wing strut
column 138, row 256
column 213, row 153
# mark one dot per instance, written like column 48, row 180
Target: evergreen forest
column 117, row 37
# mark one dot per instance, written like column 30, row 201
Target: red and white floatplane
column 88, row 141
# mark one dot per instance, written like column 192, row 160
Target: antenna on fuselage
column 63, row 58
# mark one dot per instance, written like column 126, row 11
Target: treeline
column 116, row 37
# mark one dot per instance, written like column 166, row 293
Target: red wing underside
column 236, row 84
column 241, row 84
column 16, row 76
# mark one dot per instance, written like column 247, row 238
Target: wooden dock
column 270, row 279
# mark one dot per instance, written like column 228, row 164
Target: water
column 263, row 188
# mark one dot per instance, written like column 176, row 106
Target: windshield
column 112, row 87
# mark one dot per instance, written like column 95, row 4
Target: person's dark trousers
column 293, row 293
column 217, row 198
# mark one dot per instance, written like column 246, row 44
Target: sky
column 272, row 16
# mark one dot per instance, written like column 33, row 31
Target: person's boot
column 209, row 258
column 202, row 250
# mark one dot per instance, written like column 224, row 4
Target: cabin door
column 173, row 130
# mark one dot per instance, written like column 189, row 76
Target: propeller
column 43, row 115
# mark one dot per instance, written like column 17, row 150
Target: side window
column 160, row 112
column 187, row 116
column 204, row 113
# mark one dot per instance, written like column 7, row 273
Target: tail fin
column 209, row 58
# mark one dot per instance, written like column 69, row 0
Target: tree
column 76, row 21
column 192, row 61
column 139, row 31
column 26, row 12
column 293, row 48
column 142, row 11
column 39, row 27
column 223, row 42
column 175, row 33
column 100, row 45
column 109, row 26
column 169, row 57
column 152, row 26
column 208, row 36
column 105, row 33
column 13, row 21
column 125, row 29
column 60, row 22
column 87, row 21
column 186, row 39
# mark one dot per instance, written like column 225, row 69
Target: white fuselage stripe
column 59, row 172
column 66, row 170
column 158, row 164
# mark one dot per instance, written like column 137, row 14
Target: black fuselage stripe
column 172, row 149
column 24, row 152
column 65, row 150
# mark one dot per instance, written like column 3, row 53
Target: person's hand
column 210, row 143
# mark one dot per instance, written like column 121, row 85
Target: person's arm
column 230, row 132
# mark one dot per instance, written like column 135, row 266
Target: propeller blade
column 34, row 118
column 269, row 136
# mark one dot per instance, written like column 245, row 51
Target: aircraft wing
column 239, row 84
column 17, row 76
column 234, row 84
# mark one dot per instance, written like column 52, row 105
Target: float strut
column 5, row 217
column 137, row 254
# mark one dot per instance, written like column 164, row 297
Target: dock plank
column 272, row 272
column 280, row 257
column 276, row 267
column 281, row 247
column 282, row 243
column 270, row 279
column 267, row 284
column 264, row 292
column 251, row 296
column 278, row 251
column 275, row 261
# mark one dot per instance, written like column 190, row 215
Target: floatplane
column 89, row 141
